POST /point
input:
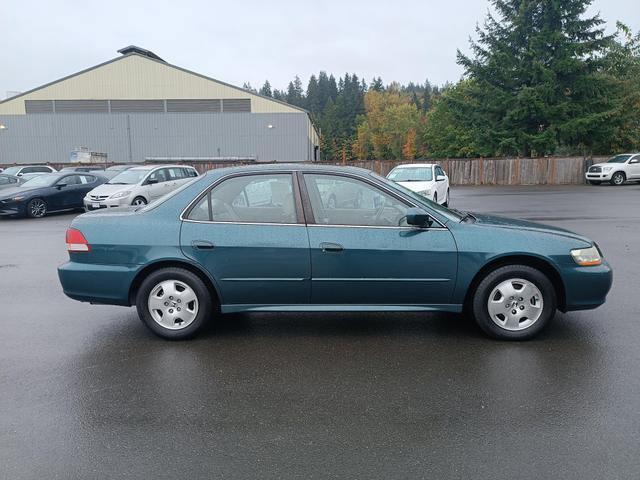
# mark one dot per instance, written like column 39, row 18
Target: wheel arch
column 541, row 264
column 173, row 263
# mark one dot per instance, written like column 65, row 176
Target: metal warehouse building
column 138, row 107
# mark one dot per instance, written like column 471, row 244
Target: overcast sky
column 251, row 40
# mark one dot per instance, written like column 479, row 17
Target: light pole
column 3, row 127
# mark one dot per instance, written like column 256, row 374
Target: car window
column 41, row 170
column 4, row 180
column 84, row 179
column 251, row 199
column 69, row 180
column 202, row 210
column 439, row 171
column 190, row 172
column 159, row 175
column 338, row 200
column 28, row 170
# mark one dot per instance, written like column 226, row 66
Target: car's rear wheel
column 174, row 303
column 595, row 182
column 36, row 208
column 139, row 201
column 514, row 302
column 618, row 178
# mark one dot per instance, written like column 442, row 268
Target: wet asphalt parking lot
column 87, row 392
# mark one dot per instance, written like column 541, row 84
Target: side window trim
column 300, row 220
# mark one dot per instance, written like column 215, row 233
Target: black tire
column 36, row 208
column 435, row 198
column 618, row 179
column 139, row 201
column 446, row 201
column 595, row 182
column 205, row 304
column 480, row 299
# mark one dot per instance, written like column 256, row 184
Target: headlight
column 18, row 198
column 587, row 256
column 606, row 169
column 126, row 193
column 425, row 193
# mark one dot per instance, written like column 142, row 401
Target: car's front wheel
column 36, row 208
column 139, row 202
column 174, row 303
column 618, row 178
column 514, row 302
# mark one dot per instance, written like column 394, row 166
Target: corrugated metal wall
column 133, row 137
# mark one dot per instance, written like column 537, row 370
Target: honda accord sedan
column 267, row 238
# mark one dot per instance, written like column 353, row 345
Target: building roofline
column 161, row 62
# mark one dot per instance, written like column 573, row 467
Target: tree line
column 542, row 78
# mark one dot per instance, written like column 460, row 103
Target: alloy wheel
column 173, row 304
column 618, row 179
column 515, row 304
column 37, row 208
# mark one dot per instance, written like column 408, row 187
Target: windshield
column 11, row 170
column 619, row 159
column 45, row 180
column 453, row 214
column 412, row 174
column 128, row 177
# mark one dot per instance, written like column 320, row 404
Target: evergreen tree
column 534, row 73
column 377, row 85
column 266, row 89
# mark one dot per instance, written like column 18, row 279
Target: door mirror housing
column 152, row 181
column 440, row 178
column 418, row 218
column 60, row 186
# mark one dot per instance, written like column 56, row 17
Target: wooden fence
column 468, row 171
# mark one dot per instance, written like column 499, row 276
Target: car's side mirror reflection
column 418, row 218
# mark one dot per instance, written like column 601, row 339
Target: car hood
column 13, row 191
column 417, row 186
column 511, row 223
column 109, row 190
column 605, row 164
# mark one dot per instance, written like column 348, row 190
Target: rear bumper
column 587, row 287
column 93, row 283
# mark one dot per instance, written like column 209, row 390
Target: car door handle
column 331, row 247
column 202, row 245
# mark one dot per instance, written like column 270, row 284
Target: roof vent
column 140, row 51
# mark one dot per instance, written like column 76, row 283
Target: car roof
column 298, row 167
column 420, row 165
column 151, row 167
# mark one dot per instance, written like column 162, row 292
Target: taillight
column 76, row 241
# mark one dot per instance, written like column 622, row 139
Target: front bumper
column 95, row 283
column 11, row 208
column 599, row 176
column 90, row 205
column 587, row 287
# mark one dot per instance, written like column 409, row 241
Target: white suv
column 426, row 179
column 138, row 186
column 616, row 170
column 29, row 170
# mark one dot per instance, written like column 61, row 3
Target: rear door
column 248, row 232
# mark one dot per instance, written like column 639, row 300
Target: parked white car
column 138, row 186
column 29, row 170
column 617, row 170
column 426, row 179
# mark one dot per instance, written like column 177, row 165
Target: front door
column 364, row 253
column 634, row 168
column 249, row 234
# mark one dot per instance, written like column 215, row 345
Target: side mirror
column 60, row 185
column 418, row 218
column 152, row 181
column 440, row 178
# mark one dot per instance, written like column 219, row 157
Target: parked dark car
column 49, row 192
column 261, row 238
column 9, row 181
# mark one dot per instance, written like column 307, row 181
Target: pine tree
column 534, row 73
column 266, row 89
